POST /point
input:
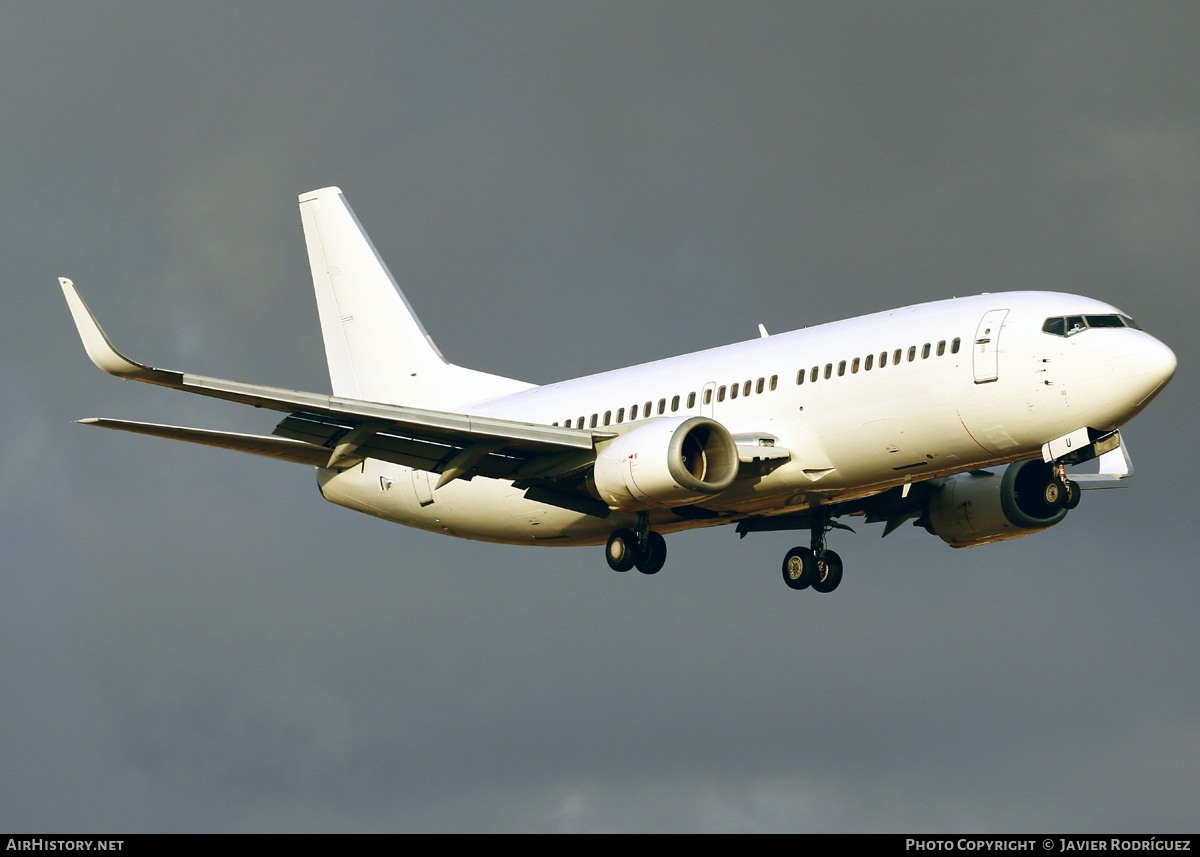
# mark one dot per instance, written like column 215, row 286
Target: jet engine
column 985, row 506
column 664, row 463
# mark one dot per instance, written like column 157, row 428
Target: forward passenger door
column 986, row 350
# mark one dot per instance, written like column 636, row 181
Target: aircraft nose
column 1148, row 369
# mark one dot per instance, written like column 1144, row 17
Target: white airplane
column 959, row 414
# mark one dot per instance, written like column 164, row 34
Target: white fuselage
column 859, row 422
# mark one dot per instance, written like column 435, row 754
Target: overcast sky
column 193, row 640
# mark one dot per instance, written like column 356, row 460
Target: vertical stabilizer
column 375, row 345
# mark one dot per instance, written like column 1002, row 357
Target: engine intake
column 977, row 508
column 667, row 462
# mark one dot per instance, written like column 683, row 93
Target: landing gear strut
column 814, row 566
column 644, row 548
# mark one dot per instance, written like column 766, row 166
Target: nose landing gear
column 1061, row 491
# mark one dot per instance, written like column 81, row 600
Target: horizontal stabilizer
column 272, row 447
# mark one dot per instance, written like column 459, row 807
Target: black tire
column 828, row 573
column 1054, row 493
column 656, row 554
column 799, row 568
column 1073, row 495
column 621, row 550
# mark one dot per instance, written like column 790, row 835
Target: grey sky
column 195, row 640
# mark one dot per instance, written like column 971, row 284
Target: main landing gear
column 644, row 549
column 816, row 566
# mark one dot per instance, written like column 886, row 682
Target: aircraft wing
column 348, row 430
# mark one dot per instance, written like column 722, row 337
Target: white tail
column 375, row 345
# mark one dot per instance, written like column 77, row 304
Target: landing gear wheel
column 828, row 573
column 799, row 568
column 621, row 550
column 1073, row 495
column 1054, row 493
column 651, row 562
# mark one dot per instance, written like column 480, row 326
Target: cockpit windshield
column 1069, row 325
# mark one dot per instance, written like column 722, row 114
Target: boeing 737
column 960, row 415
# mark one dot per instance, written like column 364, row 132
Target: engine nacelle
column 974, row 509
column 667, row 462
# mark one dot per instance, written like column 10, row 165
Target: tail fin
column 375, row 345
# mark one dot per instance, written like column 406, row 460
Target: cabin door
column 986, row 351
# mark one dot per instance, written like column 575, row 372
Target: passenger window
column 841, row 368
column 774, row 383
column 594, row 418
column 746, row 389
column 800, row 376
column 620, row 415
column 896, row 356
column 691, row 400
column 758, row 388
column 854, row 366
column 580, row 423
column 646, row 411
column 867, row 365
column 662, row 406
column 912, row 353
column 674, row 404
column 607, row 417
column 734, row 389
column 633, row 413
column 813, row 375
column 925, row 351
column 882, row 359
column 567, row 424
column 708, row 396
column 954, row 345
column 941, row 348
column 828, row 371
column 721, row 393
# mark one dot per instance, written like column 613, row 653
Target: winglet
column 98, row 346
